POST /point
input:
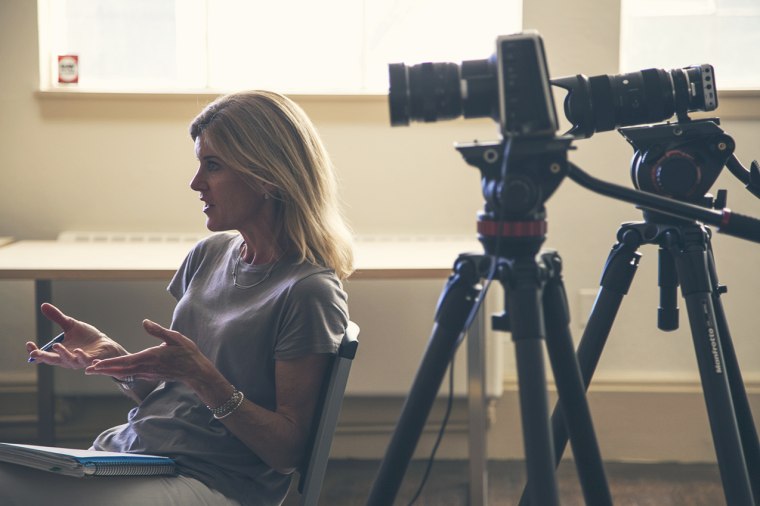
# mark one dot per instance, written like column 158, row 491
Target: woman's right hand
column 82, row 343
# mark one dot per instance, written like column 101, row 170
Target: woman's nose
column 196, row 184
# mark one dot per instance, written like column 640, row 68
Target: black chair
column 312, row 473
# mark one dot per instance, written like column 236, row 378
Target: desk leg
column 476, row 400
column 45, row 389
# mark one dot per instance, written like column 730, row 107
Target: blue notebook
column 81, row 463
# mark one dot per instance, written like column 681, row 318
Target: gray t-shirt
column 285, row 312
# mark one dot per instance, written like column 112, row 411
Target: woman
column 230, row 391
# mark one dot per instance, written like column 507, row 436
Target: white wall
column 124, row 163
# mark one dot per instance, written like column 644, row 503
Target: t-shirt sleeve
column 315, row 318
column 181, row 280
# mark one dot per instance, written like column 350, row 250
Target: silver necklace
column 257, row 283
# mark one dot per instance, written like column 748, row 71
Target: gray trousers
column 24, row 486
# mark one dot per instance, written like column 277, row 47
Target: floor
column 348, row 483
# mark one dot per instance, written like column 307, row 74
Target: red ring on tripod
column 725, row 218
column 491, row 228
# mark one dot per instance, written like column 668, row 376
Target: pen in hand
column 49, row 346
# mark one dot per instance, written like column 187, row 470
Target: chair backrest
column 313, row 473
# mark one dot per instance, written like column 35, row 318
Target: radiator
column 129, row 237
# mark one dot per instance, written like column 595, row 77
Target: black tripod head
column 680, row 160
column 518, row 175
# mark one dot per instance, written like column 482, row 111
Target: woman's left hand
column 176, row 359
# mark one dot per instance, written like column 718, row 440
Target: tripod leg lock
column 554, row 294
column 523, row 280
column 462, row 286
column 622, row 263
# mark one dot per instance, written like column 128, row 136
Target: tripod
column 685, row 259
column 512, row 230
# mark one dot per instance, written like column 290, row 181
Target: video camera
column 511, row 87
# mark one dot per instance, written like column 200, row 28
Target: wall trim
column 636, row 420
column 644, row 383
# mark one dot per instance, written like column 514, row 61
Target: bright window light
column 678, row 33
column 297, row 46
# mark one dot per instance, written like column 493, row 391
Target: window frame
column 370, row 87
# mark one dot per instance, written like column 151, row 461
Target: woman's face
column 230, row 203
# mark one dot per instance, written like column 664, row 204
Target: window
column 297, row 46
column 677, row 33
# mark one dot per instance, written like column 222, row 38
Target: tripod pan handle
column 739, row 225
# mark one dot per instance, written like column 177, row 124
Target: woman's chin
column 213, row 227
column 216, row 227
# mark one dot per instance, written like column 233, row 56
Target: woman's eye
column 212, row 166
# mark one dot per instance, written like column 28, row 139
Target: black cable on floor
column 441, row 431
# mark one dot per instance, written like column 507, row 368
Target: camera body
column 511, row 87
column 526, row 104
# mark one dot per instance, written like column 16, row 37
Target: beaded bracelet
column 228, row 407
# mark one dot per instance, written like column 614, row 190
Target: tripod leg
column 617, row 277
column 455, row 305
column 527, row 323
column 747, row 430
column 693, row 274
column 571, row 389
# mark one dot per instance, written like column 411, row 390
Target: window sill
column 75, row 93
column 733, row 104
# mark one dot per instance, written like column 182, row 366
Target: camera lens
column 426, row 92
column 638, row 97
column 602, row 103
column 398, row 94
column 431, row 92
column 480, row 92
column 620, row 100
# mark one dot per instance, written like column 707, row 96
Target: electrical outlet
column 586, row 298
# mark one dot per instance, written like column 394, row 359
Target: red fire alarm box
column 68, row 69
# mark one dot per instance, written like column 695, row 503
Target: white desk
column 415, row 258
column 61, row 260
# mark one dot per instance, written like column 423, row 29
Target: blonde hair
column 271, row 142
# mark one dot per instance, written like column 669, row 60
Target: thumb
column 55, row 315
column 166, row 335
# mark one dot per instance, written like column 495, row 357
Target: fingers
column 105, row 369
column 37, row 354
column 76, row 359
column 120, row 367
column 56, row 316
column 61, row 356
column 51, row 357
